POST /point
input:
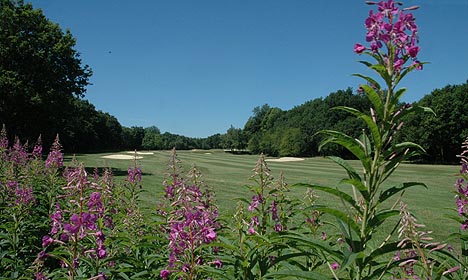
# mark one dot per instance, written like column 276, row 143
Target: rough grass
column 227, row 174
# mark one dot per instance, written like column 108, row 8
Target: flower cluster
column 19, row 153
column 77, row 222
column 55, row 157
column 192, row 221
column 461, row 186
column 18, row 195
column 394, row 28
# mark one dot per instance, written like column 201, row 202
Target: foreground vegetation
column 70, row 222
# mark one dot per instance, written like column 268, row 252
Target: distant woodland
column 43, row 85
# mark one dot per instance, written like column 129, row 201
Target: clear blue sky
column 196, row 67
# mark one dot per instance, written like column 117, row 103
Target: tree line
column 43, row 84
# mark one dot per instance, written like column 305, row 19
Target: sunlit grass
column 227, row 174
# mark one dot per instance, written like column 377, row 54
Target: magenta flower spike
column 55, row 157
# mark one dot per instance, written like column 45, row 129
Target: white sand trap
column 207, row 153
column 141, row 153
column 285, row 159
column 118, row 156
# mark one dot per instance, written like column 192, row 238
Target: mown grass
column 227, row 174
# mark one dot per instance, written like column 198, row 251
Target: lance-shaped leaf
column 374, row 129
column 380, row 217
column 349, row 169
column 347, row 142
column 375, row 99
column 396, row 189
column 406, row 71
column 298, row 241
column 341, row 216
column 342, row 195
column 359, row 185
column 413, row 109
column 370, row 80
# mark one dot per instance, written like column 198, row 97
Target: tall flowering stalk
column 191, row 224
column 459, row 269
column 392, row 38
column 76, row 237
column 23, row 185
column 257, row 249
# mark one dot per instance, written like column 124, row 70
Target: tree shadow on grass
column 116, row 172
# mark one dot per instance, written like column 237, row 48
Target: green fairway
column 227, row 174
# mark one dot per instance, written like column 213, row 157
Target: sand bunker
column 119, row 156
column 285, row 159
column 141, row 153
column 207, row 153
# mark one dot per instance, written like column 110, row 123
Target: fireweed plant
column 254, row 246
column 136, row 240
column 26, row 184
column 190, row 224
column 77, row 226
column 392, row 37
column 459, row 258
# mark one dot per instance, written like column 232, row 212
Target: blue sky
column 196, row 67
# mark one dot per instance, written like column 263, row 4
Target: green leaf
column 366, row 63
column 368, row 120
column 382, row 71
column 378, row 219
column 349, row 169
column 357, row 183
column 396, row 97
column 347, row 142
column 342, row 216
column 306, row 240
column 396, row 189
column 413, row 109
column 406, row 71
column 342, row 195
column 375, row 100
column 368, row 79
column 297, row 273
column 405, row 145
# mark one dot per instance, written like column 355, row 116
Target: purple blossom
column 24, row 196
column 278, row 227
column 55, row 157
column 134, row 175
column 19, row 154
column 256, row 200
column 37, row 151
column 40, row 276
column 101, row 252
column 164, row 273
column 218, row 263
column 335, row 266
column 391, row 27
column 413, row 51
column 56, row 220
column 358, row 48
column 47, row 240
column 274, row 211
column 210, row 236
column 95, row 203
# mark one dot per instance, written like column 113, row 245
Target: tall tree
column 40, row 72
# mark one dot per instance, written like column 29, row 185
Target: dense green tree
column 152, row 139
column 132, row 137
column 234, row 139
column 41, row 73
column 441, row 134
